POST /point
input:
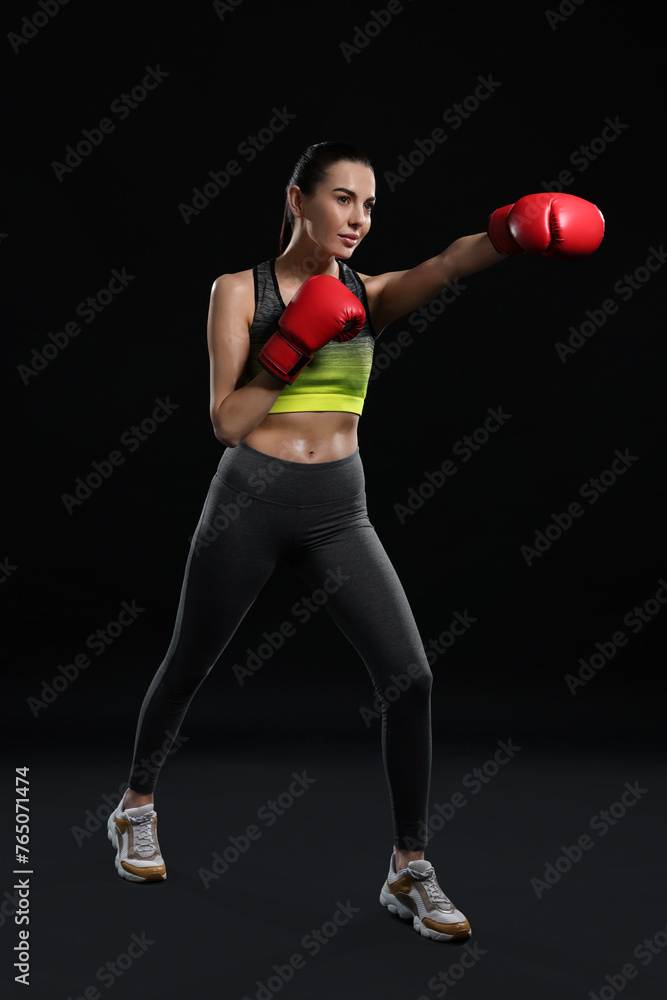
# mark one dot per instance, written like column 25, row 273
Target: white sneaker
column 415, row 894
column 133, row 832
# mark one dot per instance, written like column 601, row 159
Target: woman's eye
column 369, row 206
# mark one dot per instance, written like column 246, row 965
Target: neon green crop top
column 337, row 377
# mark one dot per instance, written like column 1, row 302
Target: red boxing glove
column 323, row 309
column 559, row 226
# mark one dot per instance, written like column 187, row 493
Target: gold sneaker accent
column 408, row 897
column 124, row 832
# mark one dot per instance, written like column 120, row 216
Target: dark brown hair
column 309, row 171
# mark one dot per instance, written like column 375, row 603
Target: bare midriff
column 306, row 436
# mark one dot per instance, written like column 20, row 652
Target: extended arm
column 558, row 226
column 397, row 293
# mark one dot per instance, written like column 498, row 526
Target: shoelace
column 433, row 890
column 143, row 834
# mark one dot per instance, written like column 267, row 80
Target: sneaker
column 414, row 894
column 133, row 832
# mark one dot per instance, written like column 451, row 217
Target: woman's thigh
column 233, row 552
column 346, row 566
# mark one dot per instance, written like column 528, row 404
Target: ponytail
column 286, row 230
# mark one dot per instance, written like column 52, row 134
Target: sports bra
column 337, row 377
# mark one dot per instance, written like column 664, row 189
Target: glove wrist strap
column 282, row 359
column 500, row 235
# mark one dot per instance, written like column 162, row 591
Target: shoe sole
column 395, row 906
column 112, row 834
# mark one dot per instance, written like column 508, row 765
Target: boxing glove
column 555, row 225
column 323, row 309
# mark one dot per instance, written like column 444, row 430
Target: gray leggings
column 261, row 511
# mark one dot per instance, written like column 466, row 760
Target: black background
column 67, row 574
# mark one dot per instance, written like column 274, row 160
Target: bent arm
column 396, row 293
column 236, row 407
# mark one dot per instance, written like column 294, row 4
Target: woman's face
column 337, row 215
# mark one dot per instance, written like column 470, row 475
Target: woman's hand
column 322, row 309
column 555, row 225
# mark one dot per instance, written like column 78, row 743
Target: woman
column 291, row 346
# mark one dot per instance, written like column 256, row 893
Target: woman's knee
column 408, row 684
column 422, row 679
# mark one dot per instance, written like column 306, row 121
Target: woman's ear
column 295, row 200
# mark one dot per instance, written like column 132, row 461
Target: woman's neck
column 302, row 259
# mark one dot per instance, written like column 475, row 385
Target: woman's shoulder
column 368, row 279
column 372, row 284
column 233, row 295
column 235, row 281
column 237, row 288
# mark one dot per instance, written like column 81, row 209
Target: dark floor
column 598, row 930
